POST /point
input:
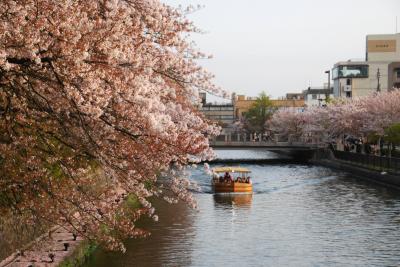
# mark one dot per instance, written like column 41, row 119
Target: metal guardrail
column 287, row 145
column 276, row 140
column 370, row 161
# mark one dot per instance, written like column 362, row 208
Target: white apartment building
column 222, row 112
column 316, row 96
column 379, row 72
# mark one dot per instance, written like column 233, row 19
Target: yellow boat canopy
column 231, row 169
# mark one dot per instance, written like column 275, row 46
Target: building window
column 348, row 94
column 398, row 73
column 358, row 71
column 314, row 96
column 348, row 82
column 335, row 73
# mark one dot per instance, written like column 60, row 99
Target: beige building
column 294, row 96
column 242, row 104
column 379, row 72
column 383, row 47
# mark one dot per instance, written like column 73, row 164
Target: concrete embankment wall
column 327, row 159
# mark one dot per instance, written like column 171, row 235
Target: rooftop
column 317, row 90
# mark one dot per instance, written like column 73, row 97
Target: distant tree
column 392, row 136
column 261, row 111
column 328, row 99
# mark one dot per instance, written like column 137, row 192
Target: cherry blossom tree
column 358, row 117
column 287, row 122
column 97, row 100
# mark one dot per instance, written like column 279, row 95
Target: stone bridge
column 290, row 146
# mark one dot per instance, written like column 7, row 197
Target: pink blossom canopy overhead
column 97, row 98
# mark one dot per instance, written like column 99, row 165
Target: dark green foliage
column 259, row 113
column 132, row 202
column 80, row 255
column 392, row 134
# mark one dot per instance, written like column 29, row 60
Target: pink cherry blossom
column 357, row 117
column 97, row 98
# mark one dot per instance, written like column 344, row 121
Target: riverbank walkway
column 49, row 250
column 52, row 248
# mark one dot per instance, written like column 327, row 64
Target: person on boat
column 226, row 177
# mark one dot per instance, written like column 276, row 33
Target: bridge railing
column 276, row 139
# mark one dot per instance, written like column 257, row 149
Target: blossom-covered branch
column 96, row 98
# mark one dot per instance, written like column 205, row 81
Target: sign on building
column 381, row 46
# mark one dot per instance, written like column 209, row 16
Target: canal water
column 299, row 215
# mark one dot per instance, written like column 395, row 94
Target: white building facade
column 379, row 72
column 316, row 97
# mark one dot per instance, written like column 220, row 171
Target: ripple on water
column 299, row 215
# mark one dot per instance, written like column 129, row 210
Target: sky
column 284, row 46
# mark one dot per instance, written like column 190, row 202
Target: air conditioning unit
column 347, row 88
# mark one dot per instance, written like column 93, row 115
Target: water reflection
column 233, row 200
column 172, row 235
column 298, row 215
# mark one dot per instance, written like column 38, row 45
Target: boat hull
column 232, row 187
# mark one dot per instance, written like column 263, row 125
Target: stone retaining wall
column 327, row 159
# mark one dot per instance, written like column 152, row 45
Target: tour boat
column 231, row 180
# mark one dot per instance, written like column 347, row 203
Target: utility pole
column 378, row 75
column 329, row 86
